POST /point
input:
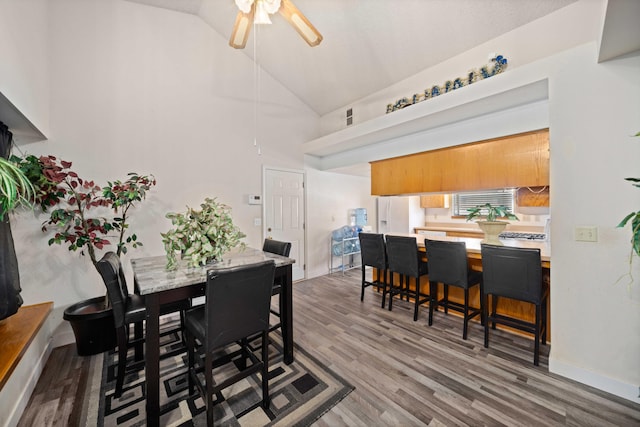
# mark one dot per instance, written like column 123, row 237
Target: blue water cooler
column 361, row 217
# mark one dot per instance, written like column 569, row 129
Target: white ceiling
column 368, row 44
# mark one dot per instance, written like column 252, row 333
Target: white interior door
column 284, row 213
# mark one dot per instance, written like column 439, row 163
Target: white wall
column 137, row 88
column 593, row 111
column 329, row 198
column 566, row 28
column 24, row 73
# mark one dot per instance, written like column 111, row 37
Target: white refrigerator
column 399, row 214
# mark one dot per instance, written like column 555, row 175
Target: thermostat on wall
column 255, row 200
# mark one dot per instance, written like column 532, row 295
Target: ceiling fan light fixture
column 262, row 16
column 307, row 33
column 240, row 36
column 301, row 24
column 244, row 5
column 258, row 11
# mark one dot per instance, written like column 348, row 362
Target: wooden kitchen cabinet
column 520, row 160
column 433, row 201
column 533, row 196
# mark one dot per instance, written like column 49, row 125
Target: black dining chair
column 448, row 265
column 237, row 301
column 374, row 254
column 405, row 260
column 129, row 309
column 279, row 248
column 514, row 273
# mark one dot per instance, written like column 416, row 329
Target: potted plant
column 201, row 236
column 15, row 189
column 71, row 202
column 634, row 219
column 491, row 225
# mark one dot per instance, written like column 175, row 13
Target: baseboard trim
column 627, row 391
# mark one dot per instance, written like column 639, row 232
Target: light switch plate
column 586, row 233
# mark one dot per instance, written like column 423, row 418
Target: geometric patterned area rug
column 300, row 392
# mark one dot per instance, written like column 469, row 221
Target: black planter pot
column 92, row 326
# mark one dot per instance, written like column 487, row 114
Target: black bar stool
column 514, row 273
column 373, row 254
column 404, row 259
column 448, row 265
column 279, row 248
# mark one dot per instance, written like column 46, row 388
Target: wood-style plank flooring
column 405, row 373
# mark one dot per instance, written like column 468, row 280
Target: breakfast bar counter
column 473, row 245
column 506, row 306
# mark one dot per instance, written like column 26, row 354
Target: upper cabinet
column 433, row 201
column 533, row 197
column 514, row 161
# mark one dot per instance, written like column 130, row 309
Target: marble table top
column 152, row 276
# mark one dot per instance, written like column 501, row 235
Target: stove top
column 522, row 236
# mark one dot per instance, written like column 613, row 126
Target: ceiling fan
column 258, row 11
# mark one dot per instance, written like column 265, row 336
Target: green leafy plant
column 122, row 196
column 15, row 187
column 490, row 213
column 201, row 236
column 634, row 219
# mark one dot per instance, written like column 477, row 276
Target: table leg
column 286, row 313
column 152, row 359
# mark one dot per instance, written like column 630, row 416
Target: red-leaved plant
column 72, row 201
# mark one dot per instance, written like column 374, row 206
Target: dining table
column 159, row 286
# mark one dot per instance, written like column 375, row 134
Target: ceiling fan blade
column 241, row 29
column 300, row 23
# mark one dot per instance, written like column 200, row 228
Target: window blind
column 464, row 201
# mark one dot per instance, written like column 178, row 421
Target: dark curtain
column 10, row 299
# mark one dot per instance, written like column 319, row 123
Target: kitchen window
column 463, row 201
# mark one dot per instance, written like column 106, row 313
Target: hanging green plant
column 201, row 236
column 634, row 219
column 15, row 187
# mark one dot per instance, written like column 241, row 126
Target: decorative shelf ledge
column 24, row 131
column 508, row 90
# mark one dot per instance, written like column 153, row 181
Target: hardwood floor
column 405, row 373
column 58, row 397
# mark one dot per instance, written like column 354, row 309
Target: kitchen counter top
column 473, row 245
column 473, row 228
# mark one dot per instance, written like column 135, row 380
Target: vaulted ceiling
column 368, row 44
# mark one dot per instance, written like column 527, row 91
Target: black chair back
column 447, row 262
column 403, row 256
column 276, row 247
column 112, row 274
column 512, row 272
column 237, row 302
column 372, row 250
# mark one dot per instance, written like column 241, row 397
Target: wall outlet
column 257, row 222
column 586, row 233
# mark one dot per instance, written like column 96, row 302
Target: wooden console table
column 17, row 332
